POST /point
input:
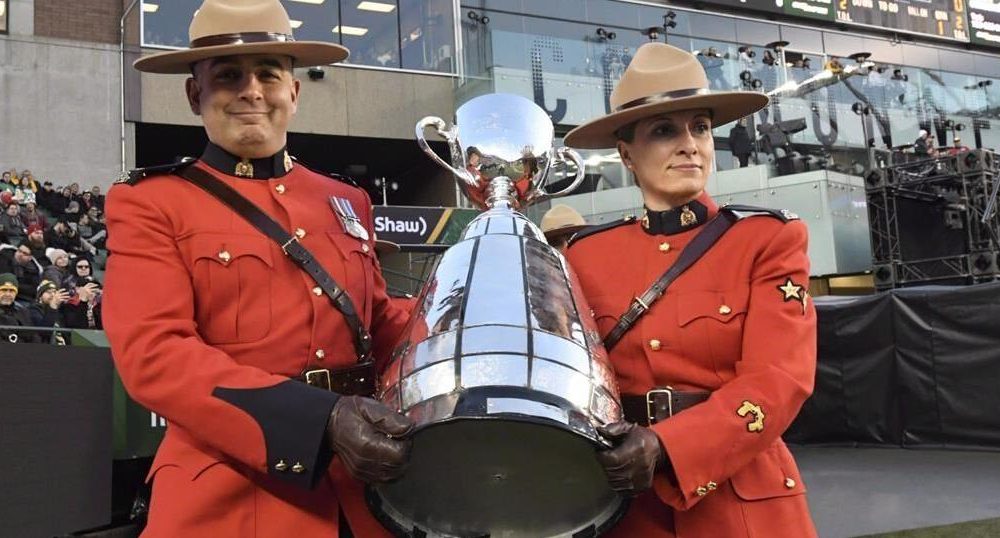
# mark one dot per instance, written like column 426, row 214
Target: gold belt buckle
column 319, row 378
column 650, row 413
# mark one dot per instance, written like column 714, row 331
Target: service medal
column 348, row 218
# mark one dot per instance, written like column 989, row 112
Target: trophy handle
column 440, row 127
column 565, row 154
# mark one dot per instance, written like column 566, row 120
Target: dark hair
column 626, row 133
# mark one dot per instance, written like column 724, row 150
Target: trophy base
column 498, row 478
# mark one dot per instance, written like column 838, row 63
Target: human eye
column 663, row 129
column 702, row 128
column 227, row 74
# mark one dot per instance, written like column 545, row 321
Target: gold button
column 300, row 233
column 317, row 291
column 789, row 482
column 654, row 344
column 712, row 486
column 298, row 468
column 664, row 247
column 225, row 256
column 701, row 491
column 364, row 247
column 320, row 353
column 725, row 310
column 280, row 188
column 280, row 466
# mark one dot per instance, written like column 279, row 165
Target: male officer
column 215, row 327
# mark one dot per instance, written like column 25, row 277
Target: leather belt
column 659, row 404
column 357, row 380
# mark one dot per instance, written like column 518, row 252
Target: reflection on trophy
column 501, row 366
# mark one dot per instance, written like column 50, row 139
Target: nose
column 686, row 145
column 252, row 89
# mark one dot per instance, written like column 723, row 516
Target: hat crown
column 658, row 68
column 560, row 216
column 221, row 17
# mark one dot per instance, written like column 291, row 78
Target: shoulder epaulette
column 134, row 176
column 338, row 177
column 598, row 228
column 744, row 211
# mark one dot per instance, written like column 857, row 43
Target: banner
column 418, row 228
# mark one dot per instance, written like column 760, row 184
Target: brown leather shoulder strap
column 291, row 247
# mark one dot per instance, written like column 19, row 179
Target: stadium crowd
column 52, row 243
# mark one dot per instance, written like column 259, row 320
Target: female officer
column 716, row 368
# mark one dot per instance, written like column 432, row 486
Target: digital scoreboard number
column 940, row 18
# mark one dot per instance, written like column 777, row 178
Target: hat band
column 240, row 39
column 665, row 96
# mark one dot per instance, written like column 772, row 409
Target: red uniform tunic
column 738, row 323
column 208, row 320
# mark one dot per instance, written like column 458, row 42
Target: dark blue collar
column 276, row 165
column 676, row 220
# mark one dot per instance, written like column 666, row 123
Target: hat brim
column 304, row 53
column 725, row 107
column 556, row 233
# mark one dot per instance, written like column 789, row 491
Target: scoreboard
column 984, row 22
column 945, row 19
column 939, row 18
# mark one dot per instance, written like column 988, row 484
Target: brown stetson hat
column 228, row 27
column 662, row 78
column 561, row 220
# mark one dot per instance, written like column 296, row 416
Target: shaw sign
column 421, row 227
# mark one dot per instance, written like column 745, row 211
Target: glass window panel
column 372, row 36
column 314, row 22
column 3, row 16
column 756, row 33
column 802, row 39
column 613, row 13
column 843, row 44
column 918, row 56
column 427, row 35
column 711, row 26
column 167, row 26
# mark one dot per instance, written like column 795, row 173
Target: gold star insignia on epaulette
column 750, row 408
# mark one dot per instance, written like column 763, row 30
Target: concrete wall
column 59, row 108
column 348, row 102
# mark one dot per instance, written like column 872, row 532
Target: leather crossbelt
column 659, row 404
column 707, row 237
column 358, row 376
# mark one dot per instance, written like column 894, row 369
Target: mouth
column 685, row 166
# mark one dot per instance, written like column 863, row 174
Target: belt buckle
column 650, row 413
column 319, row 378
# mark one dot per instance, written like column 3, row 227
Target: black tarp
column 912, row 367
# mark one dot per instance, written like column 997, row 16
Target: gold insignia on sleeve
column 750, row 408
column 688, row 218
column 244, row 168
column 794, row 292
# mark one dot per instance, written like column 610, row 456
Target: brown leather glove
column 370, row 438
column 631, row 464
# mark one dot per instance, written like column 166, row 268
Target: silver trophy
column 501, row 366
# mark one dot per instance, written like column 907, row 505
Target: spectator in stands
column 83, row 309
column 7, row 178
column 46, row 310
column 72, row 211
column 59, row 271
column 86, row 201
column 63, row 236
column 36, row 242
column 31, row 216
column 46, row 196
column 28, row 183
column 11, row 224
column 90, row 231
column 20, row 262
column 920, row 145
column 95, row 191
column 82, row 270
column 12, row 313
column 60, row 202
